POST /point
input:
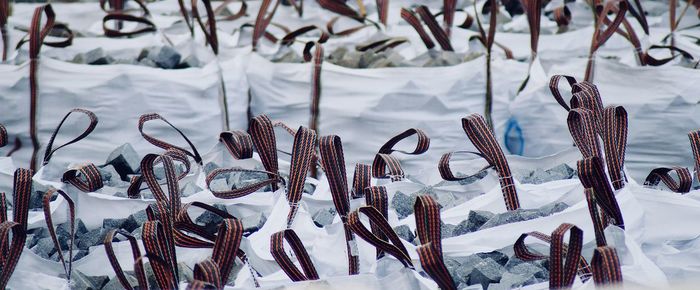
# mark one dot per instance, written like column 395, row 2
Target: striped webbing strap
column 302, row 152
column 161, row 254
column 208, row 28
column 208, row 275
column 393, row 246
column 606, row 266
column 484, row 140
column 441, row 35
column 13, row 233
column 135, row 252
column 524, row 253
column 121, row 15
column 66, row 263
column 86, row 178
column 238, row 143
column 694, row 137
column 263, row 134
column 446, row 171
column 614, row 128
column 377, row 197
column 91, row 126
column 592, row 176
column 143, row 119
column 333, row 162
column 384, row 161
column 262, row 21
column 242, row 190
column 663, row 174
column 362, row 179
column 285, row 262
column 427, row 213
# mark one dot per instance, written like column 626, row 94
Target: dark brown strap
column 393, row 247
column 18, row 236
column 184, row 225
column 582, row 126
column 317, row 61
column 449, row 8
column 239, row 191
column 262, row 21
column 159, row 212
column 614, row 128
column 606, row 266
column 562, row 16
column 341, row 8
column 22, row 187
column 148, row 25
column 446, row 171
column 238, row 143
column 413, row 20
column 209, row 29
column 86, row 178
column 438, row 33
column 279, row 254
column 136, row 253
column 345, row 32
column 383, row 11
column 67, row 264
column 523, row 252
column 200, row 285
column 562, row 274
column 207, row 271
column 592, row 175
column 164, row 145
column 302, row 152
column 427, row 212
column 172, row 196
column 484, row 140
column 382, row 45
column 4, row 13
column 600, row 35
column 37, row 33
column 333, row 162
column 554, row 88
column 384, row 160
column 533, row 10
column 3, row 136
column 241, row 12
column 361, row 180
column 694, row 137
column 227, row 244
column 91, row 126
column 663, row 174
column 377, row 197
column 163, row 263
column 263, row 134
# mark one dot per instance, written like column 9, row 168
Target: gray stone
column 110, row 176
column 535, row 269
column 44, row 248
column 209, row 167
column 125, row 161
column 368, row 57
column 109, row 224
column 140, row 217
column 403, row 204
column 137, row 233
column 121, row 194
column 150, row 276
column 190, row 61
column 460, row 268
column 219, row 184
column 148, row 62
column 82, row 281
column 404, row 232
column 288, row 57
column 36, row 235
column 350, row 60
column 324, row 217
column 130, row 224
column 92, row 238
column 552, row 208
column 337, row 54
column 474, row 221
column 511, row 217
column 189, row 189
column 511, row 281
column 309, row 188
column 253, row 222
column 446, row 230
column 114, row 283
column 497, row 256
column 79, row 254
column 486, row 272
column 539, row 176
column 165, row 57
column 211, row 220
column 473, row 178
column 63, row 230
column 36, row 198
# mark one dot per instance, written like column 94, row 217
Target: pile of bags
column 193, row 145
